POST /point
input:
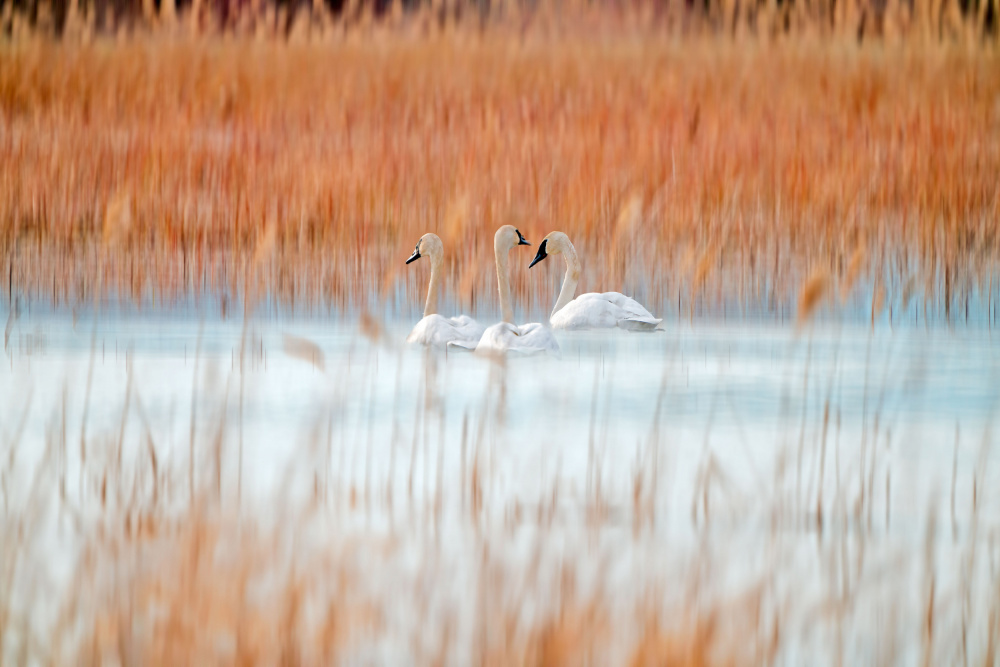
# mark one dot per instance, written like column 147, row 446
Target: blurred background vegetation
column 934, row 19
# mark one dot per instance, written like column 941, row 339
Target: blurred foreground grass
column 833, row 524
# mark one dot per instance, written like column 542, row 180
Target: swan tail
column 636, row 324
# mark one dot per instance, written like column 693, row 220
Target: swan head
column 429, row 246
column 553, row 244
column 507, row 237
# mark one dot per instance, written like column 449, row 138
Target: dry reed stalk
column 812, row 294
column 854, row 268
column 306, row 350
column 371, row 328
column 878, row 302
column 210, row 594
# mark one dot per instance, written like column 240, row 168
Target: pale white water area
column 753, row 452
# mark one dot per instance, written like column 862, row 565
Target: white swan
column 507, row 336
column 591, row 310
column 436, row 330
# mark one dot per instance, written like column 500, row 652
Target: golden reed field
column 297, row 161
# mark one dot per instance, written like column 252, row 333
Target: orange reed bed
column 700, row 175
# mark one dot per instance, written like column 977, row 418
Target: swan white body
column 440, row 331
column 436, row 330
column 607, row 310
column 604, row 311
column 524, row 339
column 506, row 336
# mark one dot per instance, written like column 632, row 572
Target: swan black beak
column 540, row 255
column 415, row 256
column 520, row 239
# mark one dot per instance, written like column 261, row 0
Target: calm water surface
column 736, row 433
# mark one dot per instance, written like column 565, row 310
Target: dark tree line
column 226, row 12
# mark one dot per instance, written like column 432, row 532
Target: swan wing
column 629, row 305
column 467, row 328
column 635, row 317
column 497, row 338
column 440, row 331
column 604, row 311
column 472, row 333
column 536, row 337
column 526, row 339
column 587, row 311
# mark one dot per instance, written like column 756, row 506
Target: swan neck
column 570, row 280
column 503, row 284
column 430, row 306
